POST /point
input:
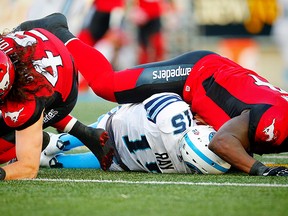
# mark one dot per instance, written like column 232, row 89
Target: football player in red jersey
column 38, row 88
column 147, row 15
column 250, row 114
column 97, row 23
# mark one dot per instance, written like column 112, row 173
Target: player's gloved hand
column 276, row 171
column 260, row 169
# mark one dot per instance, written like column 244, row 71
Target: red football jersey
column 107, row 5
column 50, row 59
column 219, row 89
column 153, row 8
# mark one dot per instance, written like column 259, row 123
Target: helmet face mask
column 7, row 75
column 197, row 156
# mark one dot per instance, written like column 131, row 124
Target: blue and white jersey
column 146, row 135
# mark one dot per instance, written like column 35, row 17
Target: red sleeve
column 21, row 115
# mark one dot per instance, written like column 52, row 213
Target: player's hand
column 276, row 171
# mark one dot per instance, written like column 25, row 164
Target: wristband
column 2, row 174
column 258, row 169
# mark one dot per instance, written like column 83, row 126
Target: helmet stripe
column 204, row 157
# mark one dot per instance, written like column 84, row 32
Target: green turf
column 92, row 198
column 140, row 193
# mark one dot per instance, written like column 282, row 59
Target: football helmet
column 7, row 75
column 195, row 153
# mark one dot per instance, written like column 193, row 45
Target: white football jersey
column 146, row 135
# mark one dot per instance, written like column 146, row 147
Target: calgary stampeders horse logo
column 4, row 83
column 14, row 115
column 270, row 132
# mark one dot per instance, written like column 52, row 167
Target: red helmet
column 7, row 75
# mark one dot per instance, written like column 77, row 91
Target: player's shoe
column 95, row 139
column 50, row 161
column 55, row 145
column 107, row 159
column 55, row 23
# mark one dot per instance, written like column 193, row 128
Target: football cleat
column 49, row 161
column 107, row 160
column 53, row 163
column 55, row 145
column 95, row 140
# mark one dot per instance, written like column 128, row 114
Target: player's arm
column 28, row 149
column 231, row 143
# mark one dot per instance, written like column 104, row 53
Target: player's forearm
column 18, row 170
column 230, row 149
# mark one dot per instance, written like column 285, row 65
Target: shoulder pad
column 162, row 109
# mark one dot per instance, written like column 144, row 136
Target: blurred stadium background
column 251, row 32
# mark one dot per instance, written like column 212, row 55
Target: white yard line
column 163, row 182
column 276, row 156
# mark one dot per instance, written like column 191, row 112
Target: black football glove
column 276, row 171
column 260, row 169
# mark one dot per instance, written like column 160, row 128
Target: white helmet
column 195, row 153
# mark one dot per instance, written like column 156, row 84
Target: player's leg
column 59, row 143
column 126, row 86
column 156, row 40
column 123, row 86
column 96, row 27
column 138, row 83
column 84, row 160
column 143, row 42
column 99, row 24
column 85, row 33
column 92, row 138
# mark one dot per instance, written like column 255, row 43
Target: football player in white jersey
column 158, row 135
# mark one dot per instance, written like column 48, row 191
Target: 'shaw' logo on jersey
column 14, row 115
column 269, row 131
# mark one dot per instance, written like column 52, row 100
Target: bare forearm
column 230, row 149
column 18, row 170
column 231, row 143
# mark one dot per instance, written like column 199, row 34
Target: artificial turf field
column 92, row 192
